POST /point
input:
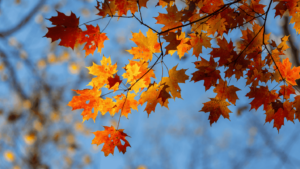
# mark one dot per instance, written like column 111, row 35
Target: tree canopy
column 197, row 25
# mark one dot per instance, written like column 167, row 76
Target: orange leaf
column 103, row 72
column 290, row 75
column 182, row 47
column 216, row 107
column 154, row 95
column 92, row 96
column 280, row 112
column 207, row 72
column 285, row 5
column 111, row 138
column 175, row 77
column 146, row 46
column 130, row 103
column 296, row 19
column 199, row 41
column 119, row 7
column 136, row 70
column 226, row 92
column 262, row 96
column 93, row 38
column 171, row 19
column 286, row 91
column 296, row 104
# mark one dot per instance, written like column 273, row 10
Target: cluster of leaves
column 207, row 20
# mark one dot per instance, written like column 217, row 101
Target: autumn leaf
column 296, row 19
column 207, row 72
column 170, row 20
column 183, row 46
column 284, row 5
column 124, row 103
column 155, row 94
column 252, row 40
column 146, row 46
column 66, row 28
column 296, row 105
column 175, row 77
column 103, row 72
column 114, row 82
column 111, row 138
column 136, row 70
column 172, row 38
column 210, row 6
column 216, row 25
column 225, row 52
column 92, row 96
column 216, row 107
column 199, row 41
column 226, row 92
column 118, row 7
column 93, row 38
column 286, row 91
column 105, row 8
column 280, row 112
column 262, row 96
column 290, row 75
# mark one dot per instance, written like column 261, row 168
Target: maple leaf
column 296, row 104
column 136, row 70
column 285, row 5
column 226, row 92
column 66, row 29
column 123, row 6
column 207, row 72
column 172, row 38
column 252, row 40
column 182, row 47
column 170, row 20
column 103, row 72
column 93, row 38
column 164, row 3
column 256, row 7
column 216, row 25
column 107, row 7
column 257, row 73
column 296, row 19
column 93, row 98
column 155, row 94
column 262, row 96
column 225, row 52
column 124, row 104
column 111, row 138
column 210, row 6
column 175, row 77
column 146, row 46
column 290, row 75
column 199, row 41
column 280, row 112
column 286, row 91
column 216, row 107
column 114, row 82
column 119, row 7
column 199, row 27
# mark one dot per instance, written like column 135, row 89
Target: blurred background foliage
column 39, row 130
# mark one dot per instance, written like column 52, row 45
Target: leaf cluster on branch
column 256, row 57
